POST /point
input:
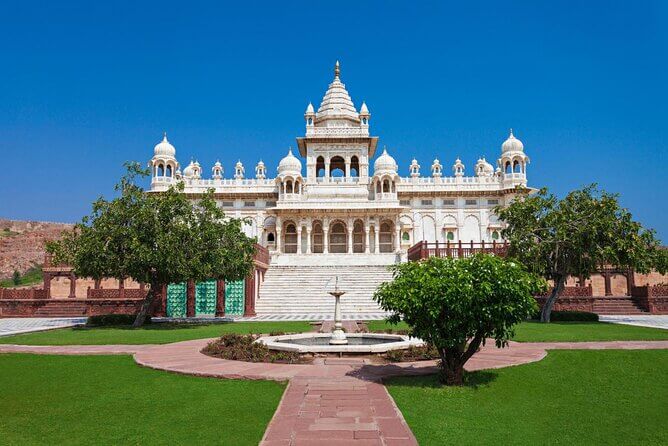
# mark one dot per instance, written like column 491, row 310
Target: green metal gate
column 234, row 298
column 205, row 298
column 176, row 300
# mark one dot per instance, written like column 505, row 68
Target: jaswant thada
column 339, row 216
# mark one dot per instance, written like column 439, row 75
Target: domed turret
column 239, row 170
column 290, row 165
column 436, row 169
column 512, row 144
column 164, row 148
column 483, row 168
column 260, row 171
column 384, row 164
column 414, row 169
column 458, row 168
column 189, row 171
column 217, row 170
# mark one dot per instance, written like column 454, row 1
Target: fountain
column 338, row 335
column 338, row 341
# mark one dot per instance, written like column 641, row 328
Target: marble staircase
column 302, row 289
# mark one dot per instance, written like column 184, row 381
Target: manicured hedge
column 113, row 319
column 571, row 316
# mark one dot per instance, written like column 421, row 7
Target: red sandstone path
column 330, row 402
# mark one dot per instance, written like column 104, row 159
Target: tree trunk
column 451, row 367
column 146, row 305
column 559, row 283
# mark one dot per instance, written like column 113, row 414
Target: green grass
column 571, row 397
column 6, row 232
column 31, row 277
column 156, row 333
column 102, row 400
column 566, row 331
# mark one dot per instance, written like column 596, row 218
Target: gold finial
column 337, row 69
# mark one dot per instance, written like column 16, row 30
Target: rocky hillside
column 22, row 243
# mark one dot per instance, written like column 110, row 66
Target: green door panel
column 234, row 298
column 205, row 298
column 176, row 300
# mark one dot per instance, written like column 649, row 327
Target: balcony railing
column 424, row 249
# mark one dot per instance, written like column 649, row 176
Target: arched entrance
column 338, row 243
column 386, row 237
column 358, row 236
column 317, row 238
column 290, row 242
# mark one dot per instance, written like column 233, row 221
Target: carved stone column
column 325, row 240
column 249, row 294
column 366, row 239
column 397, row 238
column 309, row 249
column 608, row 285
column 299, row 239
column 350, row 239
column 47, row 284
column 278, row 239
column 376, row 236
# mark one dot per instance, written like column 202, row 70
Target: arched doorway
column 338, row 242
column 386, row 237
column 358, row 236
column 337, row 167
column 317, row 238
column 290, row 242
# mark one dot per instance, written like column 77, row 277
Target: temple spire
column 337, row 70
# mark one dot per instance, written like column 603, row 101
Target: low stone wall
column 565, row 303
column 123, row 293
column 573, row 291
column 84, row 307
column 652, row 298
column 14, row 293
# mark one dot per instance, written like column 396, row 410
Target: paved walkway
column 641, row 320
column 332, row 401
column 18, row 325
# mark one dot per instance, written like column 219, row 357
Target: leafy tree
column 156, row 238
column 16, row 278
column 576, row 236
column 456, row 304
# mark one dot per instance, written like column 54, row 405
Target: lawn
column 31, row 277
column 570, row 397
column 566, row 331
column 157, row 333
column 110, row 400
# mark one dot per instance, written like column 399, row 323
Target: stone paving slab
column 18, row 325
column 653, row 321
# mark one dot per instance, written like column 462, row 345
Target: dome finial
column 337, row 70
column 511, row 132
column 164, row 136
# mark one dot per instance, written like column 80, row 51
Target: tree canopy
column 156, row 238
column 456, row 304
column 576, row 236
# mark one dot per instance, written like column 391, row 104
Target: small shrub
column 238, row 347
column 103, row 320
column 16, row 278
column 424, row 353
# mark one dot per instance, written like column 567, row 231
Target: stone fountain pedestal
column 338, row 335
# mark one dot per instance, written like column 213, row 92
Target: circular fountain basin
column 357, row 343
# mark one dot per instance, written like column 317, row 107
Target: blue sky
column 86, row 86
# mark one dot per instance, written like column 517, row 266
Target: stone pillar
column 73, row 286
column 366, row 239
column 397, row 238
column 350, row 239
column 309, row 249
column 347, row 167
column 47, row 284
column 376, row 235
column 327, row 169
column 608, row 286
column 190, row 299
column 278, row 239
column 325, row 240
column 299, row 239
column 160, row 304
column 220, row 298
column 249, row 295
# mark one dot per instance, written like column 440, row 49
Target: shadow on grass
column 159, row 326
column 472, row 380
